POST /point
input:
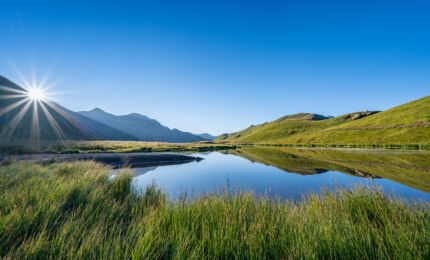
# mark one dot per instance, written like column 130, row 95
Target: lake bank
column 84, row 147
column 75, row 211
column 115, row 160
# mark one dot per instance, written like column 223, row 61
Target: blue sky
column 220, row 66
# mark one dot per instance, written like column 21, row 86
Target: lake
column 291, row 173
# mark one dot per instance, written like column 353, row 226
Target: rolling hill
column 405, row 124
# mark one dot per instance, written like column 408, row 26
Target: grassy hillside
column 280, row 130
column 73, row 211
column 405, row 124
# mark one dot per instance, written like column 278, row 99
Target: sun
column 36, row 94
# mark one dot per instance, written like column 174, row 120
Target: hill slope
column 141, row 127
column 405, row 124
column 285, row 127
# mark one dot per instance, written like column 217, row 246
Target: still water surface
column 221, row 170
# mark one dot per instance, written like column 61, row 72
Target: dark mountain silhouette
column 141, row 127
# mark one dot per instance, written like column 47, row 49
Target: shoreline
column 115, row 160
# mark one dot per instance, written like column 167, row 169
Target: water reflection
column 294, row 172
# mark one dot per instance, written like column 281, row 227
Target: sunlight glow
column 35, row 99
column 36, row 94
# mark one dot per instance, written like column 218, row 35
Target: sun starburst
column 35, row 99
column 36, row 94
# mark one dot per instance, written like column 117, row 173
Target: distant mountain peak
column 140, row 116
column 141, row 127
column 207, row 136
column 98, row 110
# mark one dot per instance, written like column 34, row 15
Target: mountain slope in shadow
column 26, row 121
column 141, row 127
column 29, row 122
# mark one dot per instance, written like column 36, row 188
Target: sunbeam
column 10, row 128
column 12, row 96
column 13, row 106
column 35, row 133
column 57, row 129
column 18, row 102
column 13, row 90
column 67, row 117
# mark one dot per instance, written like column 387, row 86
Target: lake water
column 290, row 173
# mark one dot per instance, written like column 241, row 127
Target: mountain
column 25, row 121
column 96, row 129
column 141, row 127
column 28, row 122
column 207, row 136
column 406, row 124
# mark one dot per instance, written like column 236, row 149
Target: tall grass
column 72, row 210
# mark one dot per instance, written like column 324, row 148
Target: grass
column 114, row 147
column 72, row 210
column 404, row 125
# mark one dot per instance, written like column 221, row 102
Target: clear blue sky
column 220, row 66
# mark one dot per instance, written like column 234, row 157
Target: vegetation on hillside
column 72, row 210
column 402, row 125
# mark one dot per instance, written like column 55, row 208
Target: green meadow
column 73, row 210
column 404, row 126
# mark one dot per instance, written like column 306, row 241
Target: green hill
column 405, row 124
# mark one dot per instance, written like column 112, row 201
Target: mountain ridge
column 28, row 122
column 141, row 127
